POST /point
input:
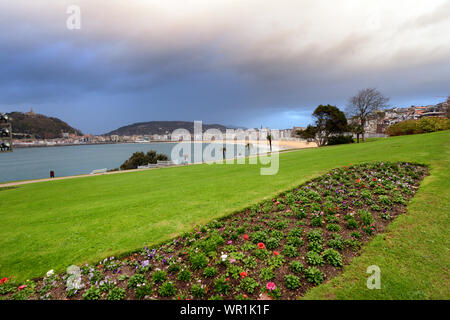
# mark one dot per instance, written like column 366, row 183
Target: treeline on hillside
column 423, row 125
column 39, row 126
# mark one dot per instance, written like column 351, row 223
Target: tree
column 269, row 138
column 140, row 158
column 356, row 128
column 366, row 103
column 329, row 121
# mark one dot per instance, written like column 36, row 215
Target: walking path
column 289, row 146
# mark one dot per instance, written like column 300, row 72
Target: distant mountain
column 38, row 125
column 160, row 127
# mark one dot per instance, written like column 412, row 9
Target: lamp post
column 6, row 144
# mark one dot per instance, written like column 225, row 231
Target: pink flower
column 22, row 287
column 271, row 286
column 230, row 242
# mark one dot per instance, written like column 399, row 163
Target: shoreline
column 22, row 182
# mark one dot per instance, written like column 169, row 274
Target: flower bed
column 276, row 249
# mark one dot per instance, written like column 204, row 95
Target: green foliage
column 333, row 257
column 199, row 260
column 210, row 272
column 135, row 280
column 314, row 258
column 292, row 282
column 333, row 227
column 314, row 275
column 140, row 159
column 290, row 251
column 159, row 276
column 248, row 285
column 93, row 293
column 198, row 291
column 142, row 290
column 267, row 274
column 272, row 243
column 167, row 289
column 221, row 285
column 296, row 266
column 184, row 275
column 116, row 293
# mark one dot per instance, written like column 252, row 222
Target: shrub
column 259, row 236
column 199, row 260
column 333, row 227
column 292, row 282
column 314, row 275
column 159, row 276
column 198, row 291
column 116, row 293
column 167, row 289
column 366, row 217
column 174, row 268
column 221, row 285
column 275, row 261
column 314, row 258
column 296, row 232
column 135, row 280
column 290, row 251
column 143, row 290
column 267, row 274
column 140, row 158
column 317, row 221
column 336, row 242
column 295, row 241
column 333, row 257
column 248, row 285
column 184, row 275
column 210, row 272
column 93, row 293
column 314, row 236
column 352, row 224
column 272, row 243
column 418, row 126
column 277, row 234
column 334, row 140
column 296, row 266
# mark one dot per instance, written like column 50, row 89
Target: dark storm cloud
column 228, row 62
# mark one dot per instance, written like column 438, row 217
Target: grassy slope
column 54, row 224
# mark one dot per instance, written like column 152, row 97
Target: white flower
column 224, row 257
column 50, row 273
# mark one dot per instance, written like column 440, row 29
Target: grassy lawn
column 51, row 225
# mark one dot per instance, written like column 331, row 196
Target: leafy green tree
column 140, row 159
column 329, row 120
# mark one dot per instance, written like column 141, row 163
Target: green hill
column 160, row 127
column 39, row 126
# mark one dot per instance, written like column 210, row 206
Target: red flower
column 245, row 296
column 261, row 245
column 276, row 253
column 358, row 181
column 243, row 274
column 4, row 280
column 245, row 236
column 22, row 287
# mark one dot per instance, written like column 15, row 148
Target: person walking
column 52, row 174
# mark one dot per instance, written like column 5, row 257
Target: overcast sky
column 243, row 62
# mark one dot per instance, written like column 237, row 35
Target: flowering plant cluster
column 276, row 249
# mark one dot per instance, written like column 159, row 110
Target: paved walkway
column 295, row 146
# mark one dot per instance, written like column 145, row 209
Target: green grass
column 51, row 225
